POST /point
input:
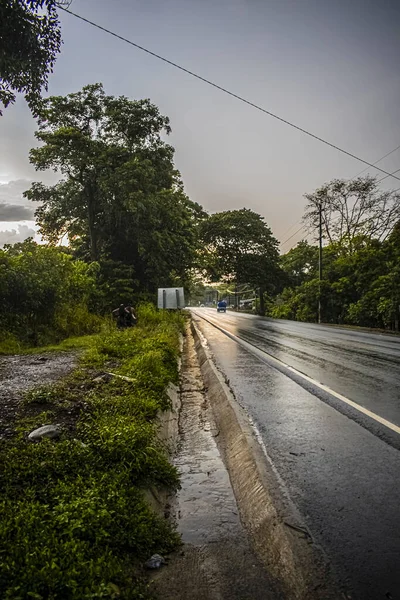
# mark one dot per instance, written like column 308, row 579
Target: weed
column 46, row 394
column 74, row 523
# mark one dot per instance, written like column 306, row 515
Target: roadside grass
column 74, row 523
column 10, row 345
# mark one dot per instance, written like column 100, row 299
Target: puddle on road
column 206, row 509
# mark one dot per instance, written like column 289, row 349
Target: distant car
column 221, row 306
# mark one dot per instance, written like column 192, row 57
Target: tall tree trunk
column 262, row 302
column 91, row 222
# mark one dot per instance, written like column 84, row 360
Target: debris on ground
column 104, row 378
column 155, row 562
column 48, row 431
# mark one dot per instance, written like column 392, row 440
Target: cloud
column 15, row 212
column 13, row 236
column 11, row 192
column 14, row 208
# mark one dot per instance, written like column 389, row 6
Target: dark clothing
column 125, row 316
column 121, row 322
column 120, row 314
column 130, row 318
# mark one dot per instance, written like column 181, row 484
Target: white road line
column 325, row 388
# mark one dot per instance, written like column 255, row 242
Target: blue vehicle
column 221, row 306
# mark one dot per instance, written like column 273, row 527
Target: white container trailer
column 171, row 298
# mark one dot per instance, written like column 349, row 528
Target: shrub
column 74, row 523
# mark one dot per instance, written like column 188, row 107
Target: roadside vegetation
column 45, row 296
column 361, row 258
column 74, row 523
column 360, row 284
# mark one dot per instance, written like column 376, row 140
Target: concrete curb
column 168, row 435
column 279, row 537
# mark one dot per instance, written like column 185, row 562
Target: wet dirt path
column 20, row 373
column 217, row 562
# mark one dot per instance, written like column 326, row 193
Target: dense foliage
column 45, row 294
column 238, row 246
column 361, row 287
column 81, row 528
column 121, row 208
column 30, row 40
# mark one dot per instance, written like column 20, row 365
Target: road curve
column 338, row 465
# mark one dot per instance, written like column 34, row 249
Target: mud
column 216, row 562
column 21, row 373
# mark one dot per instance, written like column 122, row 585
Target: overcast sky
column 330, row 66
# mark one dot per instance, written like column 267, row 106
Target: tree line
column 118, row 224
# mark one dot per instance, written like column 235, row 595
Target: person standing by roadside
column 120, row 314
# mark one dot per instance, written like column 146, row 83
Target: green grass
column 74, row 523
column 10, row 345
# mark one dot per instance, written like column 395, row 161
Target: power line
column 292, row 236
column 386, row 176
column 305, row 228
column 379, row 180
column 291, row 227
column 222, row 89
column 376, row 162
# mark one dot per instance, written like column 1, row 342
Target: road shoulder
column 217, row 561
column 278, row 534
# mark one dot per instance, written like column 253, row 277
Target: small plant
column 45, row 394
column 74, row 524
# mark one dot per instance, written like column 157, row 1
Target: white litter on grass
column 155, row 562
column 122, row 377
column 49, row 431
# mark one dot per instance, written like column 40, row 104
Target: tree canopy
column 121, row 208
column 120, row 197
column 300, row 263
column 239, row 246
column 353, row 210
column 30, row 40
column 359, row 288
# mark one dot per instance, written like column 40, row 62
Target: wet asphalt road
column 340, row 467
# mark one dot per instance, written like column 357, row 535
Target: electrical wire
column 379, row 180
column 291, row 227
column 376, row 162
column 226, row 91
column 292, row 236
column 369, row 165
column 386, row 176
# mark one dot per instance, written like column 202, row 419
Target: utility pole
column 236, row 296
column 320, row 264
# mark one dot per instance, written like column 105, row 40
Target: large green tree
column 361, row 277
column 97, row 143
column 30, row 40
column 300, row 263
column 120, row 197
column 238, row 246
